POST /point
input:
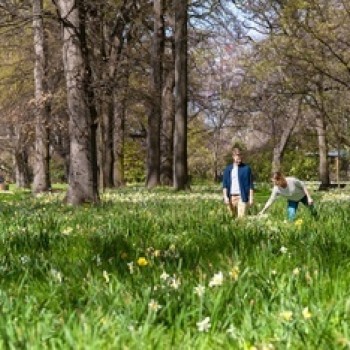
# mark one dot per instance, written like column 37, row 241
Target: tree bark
column 180, row 135
column 322, row 150
column 167, row 133
column 82, row 127
column 22, row 170
column 119, row 137
column 41, row 180
column 154, row 118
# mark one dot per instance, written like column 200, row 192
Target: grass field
column 165, row 270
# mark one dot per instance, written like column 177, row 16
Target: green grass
column 70, row 278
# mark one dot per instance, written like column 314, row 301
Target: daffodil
column 164, row 276
column 204, row 325
column 217, row 280
column 306, row 313
column 283, row 250
column 296, row 271
column 286, row 315
column 234, row 273
column 199, row 290
column 298, row 223
column 142, row 261
column 106, row 276
column 154, row 306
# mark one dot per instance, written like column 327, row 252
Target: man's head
column 237, row 156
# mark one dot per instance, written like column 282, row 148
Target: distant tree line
column 158, row 90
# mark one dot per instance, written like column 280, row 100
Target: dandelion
column 204, row 325
column 142, row 261
column 199, row 290
column 306, row 313
column 105, row 276
column 154, row 306
column 286, row 315
column 234, row 273
column 217, row 280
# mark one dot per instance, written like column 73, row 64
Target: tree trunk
column 154, row 118
column 167, row 134
column 22, row 171
column 322, row 150
column 180, row 135
column 41, row 180
column 107, row 130
column 82, row 128
column 119, row 137
column 281, row 145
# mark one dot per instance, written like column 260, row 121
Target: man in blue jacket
column 237, row 185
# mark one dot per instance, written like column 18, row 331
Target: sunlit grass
column 160, row 269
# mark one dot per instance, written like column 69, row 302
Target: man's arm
column 226, row 198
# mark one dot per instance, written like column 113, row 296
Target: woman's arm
column 269, row 202
column 309, row 199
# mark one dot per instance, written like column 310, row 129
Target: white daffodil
column 175, row 283
column 154, row 306
column 106, row 276
column 199, row 290
column 306, row 313
column 204, row 325
column 283, row 250
column 217, row 280
column 164, row 276
column 131, row 267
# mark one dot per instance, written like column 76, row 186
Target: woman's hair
column 277, row 175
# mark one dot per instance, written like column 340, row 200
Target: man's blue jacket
column 245, row 180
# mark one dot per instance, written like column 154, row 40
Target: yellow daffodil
column 298, row 223
column 234, row 273
column 142, row 261
column 306, row 313
column 286, row 315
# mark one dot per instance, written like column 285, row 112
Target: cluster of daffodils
column 142, row 196
column 288, row 315
column 172, row 281
column 216, row 281
column 336, row 197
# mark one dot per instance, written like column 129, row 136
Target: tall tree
column 154, row 118
column 41, row 181
column 82, row 181
column 180, row 132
